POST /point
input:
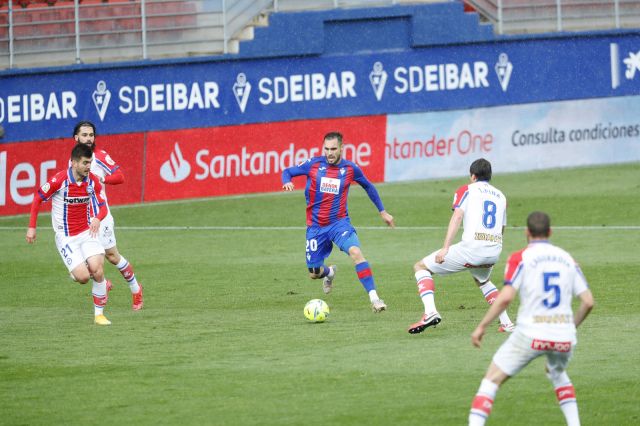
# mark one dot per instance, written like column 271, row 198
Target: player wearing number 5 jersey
column 328, row 181
column 547, row 279
column 482, row 209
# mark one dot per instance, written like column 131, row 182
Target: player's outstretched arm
column 387, row 218
column 586, row 305
column 33, row 219
column 506, row 296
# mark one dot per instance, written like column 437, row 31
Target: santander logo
column 176, row 169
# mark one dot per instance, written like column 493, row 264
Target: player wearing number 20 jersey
column 482, row 209
column 327, row 189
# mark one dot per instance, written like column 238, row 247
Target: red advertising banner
column 250, row 158
column 27, row 165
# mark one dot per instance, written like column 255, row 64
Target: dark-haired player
column 483, row 210
column 109, row 173
column 547, row 279
column 328, row 179
column 76, row 213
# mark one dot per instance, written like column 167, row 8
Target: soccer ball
column 316, row 310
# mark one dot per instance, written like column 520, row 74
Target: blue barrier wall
column 326, row 64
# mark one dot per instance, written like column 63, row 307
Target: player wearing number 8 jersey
column 547, row 279
column 328, row 181
column 482, row 208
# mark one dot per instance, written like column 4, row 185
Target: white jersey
column 547, row 279
column 485, row 213
column 102, row 165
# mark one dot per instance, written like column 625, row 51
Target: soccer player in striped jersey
column 328, row 179
column 547, row 279
column 482, row 208
column 109, row 173
column 77, row 210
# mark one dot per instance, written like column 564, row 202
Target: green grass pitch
column 222, row 339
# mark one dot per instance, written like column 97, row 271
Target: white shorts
column 107, row 235
column 518, row 351
column 75, row 250
column 478, row 261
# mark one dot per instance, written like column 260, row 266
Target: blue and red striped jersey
column 328, row 187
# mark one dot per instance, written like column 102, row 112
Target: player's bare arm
column 387, row 218
column 501, row 303
column 288, row 186
column 452, row 230
column 586, row 305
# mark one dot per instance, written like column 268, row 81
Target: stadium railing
column 540, row 16
column 37, row 33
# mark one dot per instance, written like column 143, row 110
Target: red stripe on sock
column 482, row 403
column 425, row 284
column 364, row 273
column 566, row 392
column 491, row 297
column 127, row 272
column 100, row 300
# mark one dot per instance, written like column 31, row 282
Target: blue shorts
column 320, row 241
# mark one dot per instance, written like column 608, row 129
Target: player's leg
column 423, row 271
column 512, row 356
column 565, row 392
column 345, row 237
column 94, row 254
column 483, row 400
column 490, row 293
column 70, row 251
column 365, row 275
column 109, row 242
column 318, row 248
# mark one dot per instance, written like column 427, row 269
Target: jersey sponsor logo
column 482, row 236
column 548, row 345
column 553, row 319
column 101, row 97
column 330, row 185
column 503, row 70
column 46, row 187
column 176, row 169
column 241, row 91
column 378, row 79
column 76, row 200
column 109, row 160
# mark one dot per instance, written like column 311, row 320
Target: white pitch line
column 298, row 228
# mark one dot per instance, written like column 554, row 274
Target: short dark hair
column 76, row 129
column 81, row 150
column 334, row 135
column 539, row 224
column 481, row 168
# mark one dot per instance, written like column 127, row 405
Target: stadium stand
column 540, row 16
column 41, row 33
